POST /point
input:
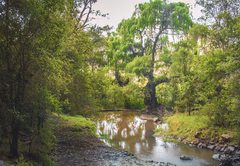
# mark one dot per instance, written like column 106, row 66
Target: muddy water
column 127, row 131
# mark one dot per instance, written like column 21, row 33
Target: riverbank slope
column 196, row 131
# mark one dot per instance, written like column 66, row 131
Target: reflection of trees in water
column 127, row 129
column 139, row 138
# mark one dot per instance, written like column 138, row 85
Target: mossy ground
column 78, row 123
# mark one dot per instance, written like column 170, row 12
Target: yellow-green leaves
column 140, row 66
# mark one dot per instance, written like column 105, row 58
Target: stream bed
column 127, row 131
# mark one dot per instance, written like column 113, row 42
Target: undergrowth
column 43, row 142
column 23, row 162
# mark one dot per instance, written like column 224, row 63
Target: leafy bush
column 42, row 144
column 22, row 162
column 128, row 97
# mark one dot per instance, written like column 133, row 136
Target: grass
column 184, row 125
column 104, row 136
column 79, row 122
column 181, row 124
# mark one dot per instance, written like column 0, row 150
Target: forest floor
column 77, row 146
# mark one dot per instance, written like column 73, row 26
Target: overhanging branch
column 165, row 80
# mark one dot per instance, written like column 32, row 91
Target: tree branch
column 166, row 80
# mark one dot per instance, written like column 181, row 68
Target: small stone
column 221, row 145
column 185, row 158
column 222, row 156
column 217, row 148
column 216, row 156
column 227, row 151
column 222, row 149
column 232, row 149
column 211, row 147
column 204, row 146
column 211, row 143
column 199, row 145
column 225, row 136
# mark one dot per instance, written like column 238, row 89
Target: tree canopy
column 142, row 36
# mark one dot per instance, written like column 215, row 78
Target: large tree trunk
column 150, row 99
column 14, row 143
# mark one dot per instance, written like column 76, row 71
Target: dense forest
column 54, row 59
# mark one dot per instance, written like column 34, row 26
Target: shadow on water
column 127, row 131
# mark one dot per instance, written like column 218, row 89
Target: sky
column 123, row 9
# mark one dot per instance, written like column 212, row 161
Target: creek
column 127, row 131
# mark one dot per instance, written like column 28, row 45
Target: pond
column 127, row 131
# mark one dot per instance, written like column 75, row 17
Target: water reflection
column 127, row 131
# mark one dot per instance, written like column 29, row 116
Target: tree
column 39, row 42
column 85, row 53
column 144, row 32
column 119, row 53
column 182, row 70
column 223, row 61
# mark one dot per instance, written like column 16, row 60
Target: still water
column 127, row 131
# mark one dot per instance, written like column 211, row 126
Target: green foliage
column 42, row 146
column 48, row 63
column 165, row 94
column 22, row 162
column 180, row 125
column 87, row 81
column 128, row 97
column 52, row 61
column 187, row 124
column 132, row 49
column 140, row 66
column 206, row 69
